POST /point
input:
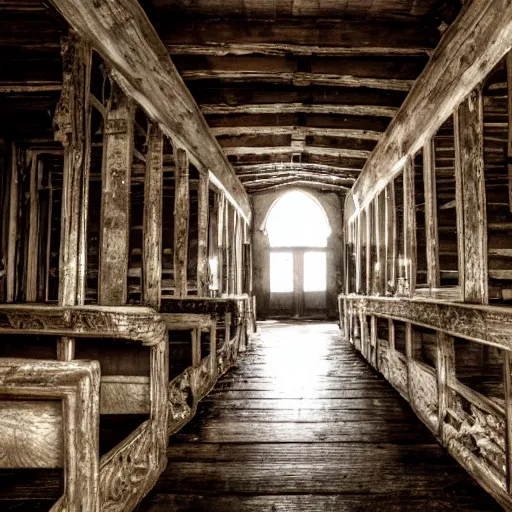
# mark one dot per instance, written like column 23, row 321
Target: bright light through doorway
column 281, row 272
column 296, row 220
column 315, row 271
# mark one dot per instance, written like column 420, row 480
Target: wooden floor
column 304, row 424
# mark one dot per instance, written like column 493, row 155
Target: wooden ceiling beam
column 123, row 35
column 291, row 166
column 296, row 36
column 341, row 180
column 289, row 130
column 299, row 79
column 300, row 108
column 296, row 175
column 215, row 93
column 202, row 67
column 367, row 123
column 469, row 50
column 293, row 182
column 318, row 140
column 306, row 158
column 289, row 150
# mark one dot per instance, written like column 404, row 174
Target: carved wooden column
column 72, row 128
column 115, row 200
column 471, row 202
column 181, row 220
column 152, row 234
column 203, row 197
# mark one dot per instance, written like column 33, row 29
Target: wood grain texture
column 471, row 201
column 115, row 200
column 76, row 384
column 152, row 231
column 484, row 324
column 299, row 37
column 310, row 455
column 181, row 222
column 23, row 426
column 203, row 195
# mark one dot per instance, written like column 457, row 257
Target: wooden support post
column 471, row 203
column 239, row 259
column 71, row 123
column 203, row 197
column 358, row 255
column 409, row 228
column 213, row 350
column 374, row 341
column 13, row 228
column 390, row 239
column 115, row 200
column 227, row 247
column 507, row 384
column 445, row 373
column 33, row 233
column 196, row 346
column 233, row 227
column 431, row 233
column 380, row 235
column 221, row 203
column 409, row 355
column 181, row 220
column 509, row 145
column 152, row 230
column 369, row 250
column 227, row 327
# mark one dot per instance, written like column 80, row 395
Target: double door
column 298, row 282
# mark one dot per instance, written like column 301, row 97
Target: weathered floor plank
column 304, row 424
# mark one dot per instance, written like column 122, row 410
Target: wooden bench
column 122, row 476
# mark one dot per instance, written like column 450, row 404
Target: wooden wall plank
column 115, row 200
column 202, row 235
column 409, row 228
column 181, row 221
column 431, row 233
column 471, row 203
column 221, row 205
column 33, row 233
column 152, row 230
column 509, row 142
column 13, row 227
column 390, row 239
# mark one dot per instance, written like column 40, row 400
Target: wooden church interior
column 142, row 145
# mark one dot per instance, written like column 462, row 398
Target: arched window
column 298, row 230
column 297, row 220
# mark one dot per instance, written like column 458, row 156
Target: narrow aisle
column 304, row 424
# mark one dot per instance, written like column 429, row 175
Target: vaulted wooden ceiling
column 300, row 91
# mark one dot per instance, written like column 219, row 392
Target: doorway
column 298, row 230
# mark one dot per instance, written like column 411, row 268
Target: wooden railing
column 121, row 477
column 475, row 427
